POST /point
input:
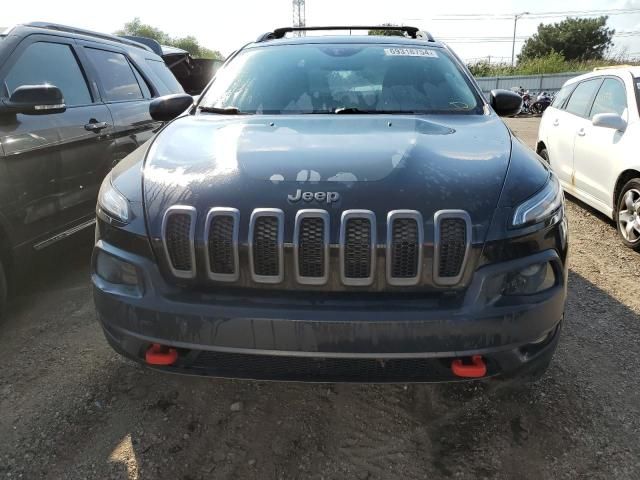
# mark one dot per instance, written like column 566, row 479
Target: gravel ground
column 71, row 408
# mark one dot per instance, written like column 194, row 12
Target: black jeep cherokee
column 334, row 209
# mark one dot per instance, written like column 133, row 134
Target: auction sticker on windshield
column 411, row 52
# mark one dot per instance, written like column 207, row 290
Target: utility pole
column 513, row 45
column 299, row 16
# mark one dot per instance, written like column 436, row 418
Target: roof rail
column 89, row 33
column 610, row 67
column 412, row 32
column 149, row 42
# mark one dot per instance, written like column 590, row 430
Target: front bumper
column 322, row 338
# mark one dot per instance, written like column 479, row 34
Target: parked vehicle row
column 73, row 103
column 590, row 136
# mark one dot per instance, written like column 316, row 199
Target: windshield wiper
column 358, row 111
column 222, row 111
column 350, row 110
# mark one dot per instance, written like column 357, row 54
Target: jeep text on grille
column 328, row 197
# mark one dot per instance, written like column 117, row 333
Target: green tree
column 573, row 38
column 388, row 33
column 136, row 28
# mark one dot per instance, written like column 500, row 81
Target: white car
column 591, row 137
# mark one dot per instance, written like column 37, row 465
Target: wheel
column 545, row 155
column 628, row 214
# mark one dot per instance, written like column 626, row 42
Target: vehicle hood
column 374, row 162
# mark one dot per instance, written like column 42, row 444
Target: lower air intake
column 288, row 368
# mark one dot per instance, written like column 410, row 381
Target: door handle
column 581, row 132
column 556, row 122
column 96, row 126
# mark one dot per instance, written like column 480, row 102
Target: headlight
column 113, row 202
column 541, row 206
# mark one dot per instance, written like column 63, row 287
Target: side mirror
column 505, row 102
column 609, row 120
column 169, row 107
column 35, row 100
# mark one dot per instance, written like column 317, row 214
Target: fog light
column 114, row 270
column 529, row 280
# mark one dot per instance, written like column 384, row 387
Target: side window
column 562, row 95
column 146, row 91
column 611, row 98
column 580, row 101
column 167, row 83
column 116, row 75
column 53, row 63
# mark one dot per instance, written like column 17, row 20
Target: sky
column 227, row 25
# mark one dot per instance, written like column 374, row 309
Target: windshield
column 328, row 78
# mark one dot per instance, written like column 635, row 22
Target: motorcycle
column 542, row 102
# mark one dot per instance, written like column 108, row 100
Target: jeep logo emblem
column 329, row 197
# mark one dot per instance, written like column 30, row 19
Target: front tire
column 628, row 214
column 545, row 155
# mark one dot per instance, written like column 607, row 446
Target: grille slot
column 178, row 229
column 221, row 238
column 265, row 245
column 404, row 247
column 311, row 245
column 357, row 247
column 452, row 243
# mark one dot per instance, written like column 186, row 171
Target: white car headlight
column 540, row 206
column 113, row 202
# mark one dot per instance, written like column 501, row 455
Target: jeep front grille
column 452, row 243
column 266, row 232
column 311, row 246
column 310, row 260
column 404, row 247
column 178, row 233
column 221, row 234
column 357, row 247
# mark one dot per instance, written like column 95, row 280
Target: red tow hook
column 476, row 369
column 160, row 355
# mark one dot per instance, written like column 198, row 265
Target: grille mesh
column 220, row 244
column 357, row 248
column 178, row 242
column 453, row 240
column 266, row 260
column 404, row 248
column 311, row 247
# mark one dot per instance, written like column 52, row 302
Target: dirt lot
column 71, row 408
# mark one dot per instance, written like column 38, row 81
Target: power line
column 536, row 15
column 495, row 39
